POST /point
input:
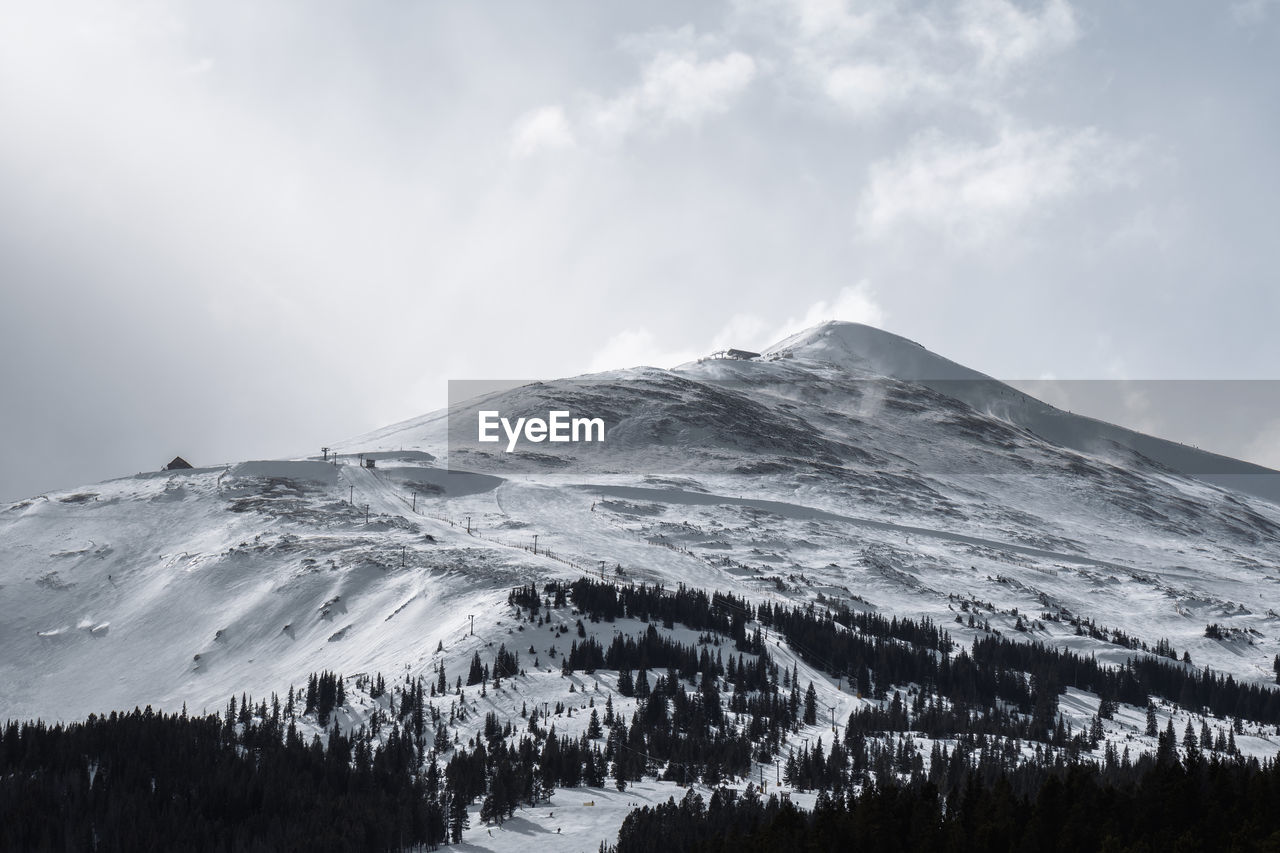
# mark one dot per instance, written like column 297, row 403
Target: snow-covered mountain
column 843, row 463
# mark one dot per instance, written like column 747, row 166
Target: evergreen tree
column 1167, row 749
column 441, row 742
column 458, row 818
column 810, row 706
column 593, row 726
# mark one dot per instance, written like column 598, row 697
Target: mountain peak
column 866, row 349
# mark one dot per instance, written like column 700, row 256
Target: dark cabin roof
column 740, row 354
column 177, row 464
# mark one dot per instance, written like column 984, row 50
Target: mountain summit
column 870, row 351
column 867, row 351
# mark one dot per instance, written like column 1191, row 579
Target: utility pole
column 833, row 718
column 468, row 525
column 403, row 548
column 366, row 513
column 325, row 451
column 351, row 495
column 535, row 544
column 777, row 765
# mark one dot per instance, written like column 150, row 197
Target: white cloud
column 971, row 192
column 867, row 88
column 545, row 128
column 889, row 54
column 676, row 88
column 1005, row 36
column 854, row 304
column 634, row 347
column 831, row 19
column 638, row 348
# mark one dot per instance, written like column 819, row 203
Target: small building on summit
column 178, row 464
column 738, row 354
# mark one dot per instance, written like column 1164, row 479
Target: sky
column 242, row 230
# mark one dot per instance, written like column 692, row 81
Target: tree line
column 1160, row 805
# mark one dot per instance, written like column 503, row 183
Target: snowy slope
column 845, row 462
column 878, row 353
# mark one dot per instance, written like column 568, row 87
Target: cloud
column 1006, row 37
column 545, row 128
column 635, row 347
column 972, row 192
column 638, row 348
column 868, row 88
column 239, row 181
column 891, row 55
column 676, row 89
column 854, row 304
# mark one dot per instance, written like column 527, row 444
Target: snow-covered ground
column 835, row 466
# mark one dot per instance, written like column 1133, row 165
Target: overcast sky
column 242, row 229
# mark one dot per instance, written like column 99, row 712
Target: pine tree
column 458, row 818
column 810, row 706
column 488, row 809
column 441, row 742
column 1189, row 742
column 1167, row 750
